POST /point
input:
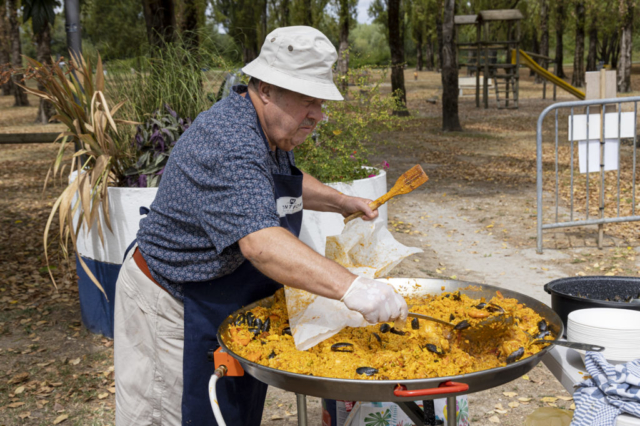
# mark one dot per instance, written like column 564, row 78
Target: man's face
column 290, row 117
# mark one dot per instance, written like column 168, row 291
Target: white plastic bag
column 365, row 248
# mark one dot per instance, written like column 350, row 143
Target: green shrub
column 337, row 150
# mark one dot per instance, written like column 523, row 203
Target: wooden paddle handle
column 374, row 206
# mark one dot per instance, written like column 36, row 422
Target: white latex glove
column 375, row 300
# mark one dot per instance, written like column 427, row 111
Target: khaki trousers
column 148, row 344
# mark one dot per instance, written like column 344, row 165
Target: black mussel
column 267, row 325
column 272, row 355
column 377, row 337
column 481, row 305
column 542, row 326
column 433, row 348
column 240, row 319
column 495, row 308
column 256, row 331
column 250, row 319
column 286, row 330
column 515, row 356
column 456, row 296
column 415, row 324
column 384, row 328
column 258, row 323
column 396, row 331
column 451, row 317
column 368, row 371
column 342, row 347
column 446, row 295
column 462, row 325
column 262, row 342
column 542, row 335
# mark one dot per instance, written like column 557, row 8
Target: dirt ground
column 475, row 221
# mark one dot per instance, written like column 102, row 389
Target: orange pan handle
column 443, row 388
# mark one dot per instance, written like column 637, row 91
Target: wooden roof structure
column 500, row 15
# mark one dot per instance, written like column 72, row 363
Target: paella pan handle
column 443, row 388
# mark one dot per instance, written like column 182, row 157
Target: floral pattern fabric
column 217, row 188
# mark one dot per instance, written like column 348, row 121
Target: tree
column 346, row 12
column 627, row 8
column 450, row 119
column 160, row 19
column 544, row 34
column 19, row 93
column 241, row 20
column 42, row 15
column 192, row 19
column 419, row 23
column 396, row 46
column 280, row 11
column 592, row 56
column 5, row 55
column 439, row 37
column 578, row 60
column 559, row 21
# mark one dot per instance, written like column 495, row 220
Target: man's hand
column 375, row 300
column 350, row 205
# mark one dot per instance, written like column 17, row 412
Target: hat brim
column 326, row 91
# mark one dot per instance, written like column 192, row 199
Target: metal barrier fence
column 592, row 108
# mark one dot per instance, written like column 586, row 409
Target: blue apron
column 207, row 304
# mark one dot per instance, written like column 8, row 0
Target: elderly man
column 222, row 233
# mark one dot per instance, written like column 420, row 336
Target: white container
column 317, row 226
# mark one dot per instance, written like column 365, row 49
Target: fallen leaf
column 61, row 418
column 522, row 399
column 103, row 395
column 18, row 378
column 16, row 404
column 19, row 390
column 549, row 399
column 564, row 398
column 112, row 389
column 276, row 417
column 573, row 406
column 499, row 407
column 25, row 415
column 525, row 377
column 502, row 411
column 75, row 361
column 494, row 419
column 514, row 404
column 510, row 394
column 551, row 404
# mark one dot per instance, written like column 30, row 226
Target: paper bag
column 365, row 248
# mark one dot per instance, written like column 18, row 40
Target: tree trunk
column 396, row 46
column 429, row 62
column 544, row 35
column 308, row 13
column 159, row 16
column 450, row 119
column 535, row 48
column 592, row 57
column 626, row 46
column 192, row 19
column 284, row 13
column 439, row 32
column 614, row 42
column 419, row 59
column 604, row 49
column 5, row 56
column 559, row 33
column 46, row 110
column 19, row 94
column 578, row 59
column 343, row 49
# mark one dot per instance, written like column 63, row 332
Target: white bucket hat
column 297, row 59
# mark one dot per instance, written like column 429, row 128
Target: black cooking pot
column 572, row 294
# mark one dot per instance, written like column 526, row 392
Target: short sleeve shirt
column 216, row 189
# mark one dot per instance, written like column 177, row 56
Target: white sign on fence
column 611, row 148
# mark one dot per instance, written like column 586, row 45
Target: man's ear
column 265, row 92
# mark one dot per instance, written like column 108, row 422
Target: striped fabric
column 611, row 390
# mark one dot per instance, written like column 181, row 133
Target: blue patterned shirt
column 216, row 189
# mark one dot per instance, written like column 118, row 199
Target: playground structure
column 499, row 60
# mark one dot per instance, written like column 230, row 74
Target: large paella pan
column 403, row 390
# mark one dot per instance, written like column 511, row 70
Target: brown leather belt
column 142, row 264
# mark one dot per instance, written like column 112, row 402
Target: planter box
column 317, row 226
column 105, row 261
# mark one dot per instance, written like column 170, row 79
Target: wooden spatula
column 410, row 180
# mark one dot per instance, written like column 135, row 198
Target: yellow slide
column 529, row 62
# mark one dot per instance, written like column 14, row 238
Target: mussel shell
column 433, row 348
column 542, row 326
column 462, row 325
column 250, row 319
column 272, row 355
column 515, row 355
column 495, row 308
column 451, row 317
column 542, row 335
column 398, row 332
column 267, row 325
column 240, row 319
column 481, row 305
column 456, row 296
column 286, row 330
column 415, row 324
column 342, row 347
column 377, row 337
column 255, row 330
column 258, row 323
column 368, row 371
column 385, row 328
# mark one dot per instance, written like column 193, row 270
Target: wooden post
column 485, row 87
column 478, row 37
